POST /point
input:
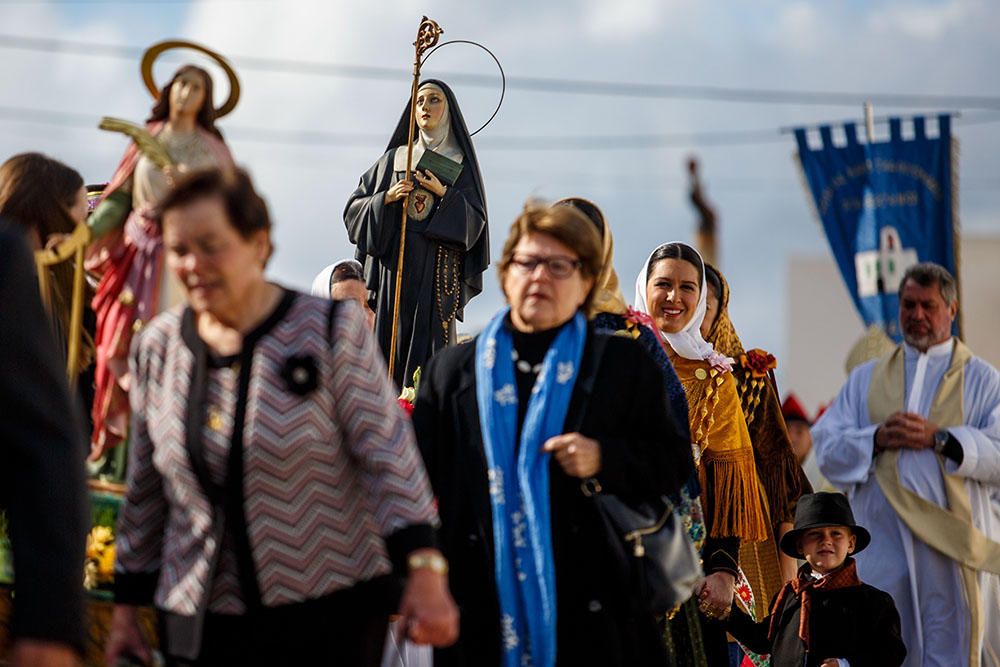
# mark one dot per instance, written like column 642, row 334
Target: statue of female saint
column 127, row 252
column 447, row 246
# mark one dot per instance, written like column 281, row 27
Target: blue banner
column 884, row 207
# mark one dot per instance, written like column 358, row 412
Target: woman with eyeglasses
column 516, row 429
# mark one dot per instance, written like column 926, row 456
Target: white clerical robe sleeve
column 843, row 439
column 980, row 435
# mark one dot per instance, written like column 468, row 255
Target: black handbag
column 651, row 540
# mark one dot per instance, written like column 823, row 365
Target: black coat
column 42, row 475
column 858, row 623
column 643, row 457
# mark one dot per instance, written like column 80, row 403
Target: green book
column 446, row 169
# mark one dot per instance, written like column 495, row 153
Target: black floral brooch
column 301, row 374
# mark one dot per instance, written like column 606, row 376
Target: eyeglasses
column 558, row 266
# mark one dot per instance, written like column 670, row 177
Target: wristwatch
column 436, row 563
column 941, row 437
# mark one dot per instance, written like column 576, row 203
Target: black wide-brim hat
column 818, row 510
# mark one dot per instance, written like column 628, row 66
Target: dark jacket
column 643, row 457
column 42, row 479
column 858, row 623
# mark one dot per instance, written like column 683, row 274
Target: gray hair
column 926, row 274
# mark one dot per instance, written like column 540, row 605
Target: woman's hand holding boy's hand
column 715, row 598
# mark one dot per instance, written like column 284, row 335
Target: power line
column 494, row 143
column 539, row 84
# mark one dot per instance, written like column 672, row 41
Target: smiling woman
column 671, row 287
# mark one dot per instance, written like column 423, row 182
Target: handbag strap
column 599, row 341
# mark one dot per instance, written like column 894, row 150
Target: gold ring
column 154, row 52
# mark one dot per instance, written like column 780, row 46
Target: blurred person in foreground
column 515, row 428
column 273, row 484
column 42, row 485
column 344, row 281
column 913, row 439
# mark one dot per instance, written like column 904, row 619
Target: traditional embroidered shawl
column 519, row 483
column 776, row 465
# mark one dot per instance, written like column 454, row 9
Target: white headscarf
column 440, row 139
column 688, row 342
column 321, row 283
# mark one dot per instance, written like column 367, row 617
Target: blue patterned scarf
column 519, row 483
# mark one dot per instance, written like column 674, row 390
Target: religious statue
column 127, row 253
column 446, row 243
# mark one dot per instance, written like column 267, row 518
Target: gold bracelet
column 434, row 562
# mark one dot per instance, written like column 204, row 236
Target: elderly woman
column 511, row 426
column 273, row 484
column 128, row 248
column 671, row 288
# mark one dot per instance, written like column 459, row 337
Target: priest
column 913, row 438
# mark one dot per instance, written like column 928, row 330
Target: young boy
column 826, row 616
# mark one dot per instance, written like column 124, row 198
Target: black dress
column 643, row 457
column 445, row 254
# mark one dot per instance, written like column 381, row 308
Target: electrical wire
column 493, row 143
column 541, row 84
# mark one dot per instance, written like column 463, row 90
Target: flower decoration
column 759, row 362
column 99, row 563
column 406, row 405
column 409, row 394
column 301, row 374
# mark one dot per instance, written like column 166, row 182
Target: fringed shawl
column 731, row 492
column 757, row 390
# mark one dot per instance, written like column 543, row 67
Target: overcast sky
column 944, row 48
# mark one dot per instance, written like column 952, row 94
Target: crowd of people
column 281, row 508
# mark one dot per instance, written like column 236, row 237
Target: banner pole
column 870, row 122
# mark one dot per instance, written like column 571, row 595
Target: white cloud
column 925, row 22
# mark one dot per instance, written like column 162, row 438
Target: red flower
column 759, row 362
column 406, row 405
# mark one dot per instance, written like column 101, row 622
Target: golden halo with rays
column 154, row 52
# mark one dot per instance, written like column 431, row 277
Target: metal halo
column 503, row 76
column 154, row 52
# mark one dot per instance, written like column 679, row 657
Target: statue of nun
column 447, row 238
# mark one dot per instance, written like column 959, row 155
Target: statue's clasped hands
column 427, row 180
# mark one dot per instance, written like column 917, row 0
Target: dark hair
column 714, row 281
column 206, row 115
column 588, row 208
column 926, row 274
column 245, row 209
column 676, row 251
column 565, row 224
column 38, row 192
column 347, row 270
